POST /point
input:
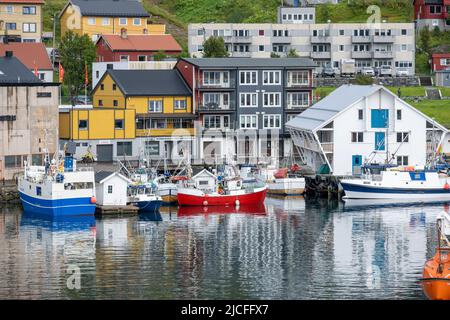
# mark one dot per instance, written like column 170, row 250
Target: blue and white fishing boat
column 399, row 183
column 58, row 188
column 144, row 197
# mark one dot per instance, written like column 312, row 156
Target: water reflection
column 288, row 249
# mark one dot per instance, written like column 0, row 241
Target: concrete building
column 28, row 117
column 355, row 125
column 432, row 14
column 327, row 44
column 244, row 103
column 21, row 20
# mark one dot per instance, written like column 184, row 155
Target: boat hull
column 358, row 191
column 187, row 198
column 168, row 200
column 148, row 206
column 436, row 282
column 436, row 288
column 57, row 207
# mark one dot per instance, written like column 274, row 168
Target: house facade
column 21, row 20
column 124, row 47
column 97, row 17
column 28, row 117
column 34, row 56
column 440, row 61
column 391, row 44
column 443, row 78
column 242, row 105
column 432, row 14
column 356, row 125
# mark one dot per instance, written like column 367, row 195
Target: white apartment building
column 327, row 44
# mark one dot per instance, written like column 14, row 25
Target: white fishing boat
column 166, row 188
column 285, row 184
column 399, row 183
column 58, row 188
column 144, row 197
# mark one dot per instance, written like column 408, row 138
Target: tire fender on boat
column 93, row 200
column 237, row 203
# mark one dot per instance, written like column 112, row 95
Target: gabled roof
column 251, row 62
column 30, row 54
column 102, row 176
column 141, row 42
column 12, row 71
column 110, row 8
column 204, row 171
column 324, row 110
column 149, row 82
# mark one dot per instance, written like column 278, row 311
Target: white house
column 355, row 125
column 205, row 180
column 111, row 188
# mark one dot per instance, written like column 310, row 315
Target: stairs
column 433, row 94
column 426, row 81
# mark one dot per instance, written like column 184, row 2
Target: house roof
column 201, row 171
column 23, row 1
column 110, row 8
column 30, row 54
column 150, row 82
column 251, row 62
column 101, row 176
column 142, row 42
column 324, row 110
column 12, row 71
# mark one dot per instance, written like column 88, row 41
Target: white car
column 368, row 71
column 402, row 73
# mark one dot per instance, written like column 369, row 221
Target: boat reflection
column 150, row 216
column 280, row 204
column 359, row 204
column 197, row 210
column 58, row 223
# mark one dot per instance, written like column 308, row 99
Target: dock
column 109, row 211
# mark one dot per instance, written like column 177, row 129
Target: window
column 341, row 32
column 152, row 148
column 142, row 58
column 155, row 106
column 110, row 189
column 261, row 32
column 29, row 10
column 249, row 99
column 91, row 21
column 105, row 21
column 248, row 122
column 261, row 48
column 118, row 124
column 9, row 9
column 11, row 26
column 435, row 9
column 272, row 77
column 97, row 74
column 115, row 103
column 201, row 32
column 102, row 87
column 100, row 103
column 298, row 99
column 298, row 78
column 36, row 160
column 404, row 47
column 360, row 114
column 215, row 78
column 82, row 124
column 137, row 21
column 380, row 118
column 341, row 48
column 29, row 27
column 272, row 121
column 211, row 122
column 44, row 94
column 14, row 161
column 404, row 32
column 402, row 160
column 123, row 21
column 402, row 137
column 357, row 137
column 399, row 114
column 123, row 58
column 180, row 104
column 248, row 77
column 124, row 148
column 272, row 99
column 114, row 87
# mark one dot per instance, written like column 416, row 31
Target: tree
column 425, row 40
column 76, row 52
column 292, row 53
column 275, row 55
column 214, row 47
column 362, row 79
column 159, row 56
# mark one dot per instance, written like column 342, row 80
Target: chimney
column 9, row 54
column 123, row 33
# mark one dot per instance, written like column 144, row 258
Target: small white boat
column 285, row 184
column 399, row 183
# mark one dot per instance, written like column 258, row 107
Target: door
column 105, row 153
column 380, row 141
column 356, row 164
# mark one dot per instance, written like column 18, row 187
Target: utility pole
column 54, row 39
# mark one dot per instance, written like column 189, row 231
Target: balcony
column 237, row 54
column 216, row 86
column 383, row 55
column 296, row 108
column 362, row 39
column 216, row 108
column 320, row 55
column 320, row 39
column 281, row 40
column 362, row 54
column 383, row 39
column 165, row 132
column 327, row 147
column 238, row 39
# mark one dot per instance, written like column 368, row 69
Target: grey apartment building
column 328, row 44
column 244, row 103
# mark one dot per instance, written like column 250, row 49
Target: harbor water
column 288, row 249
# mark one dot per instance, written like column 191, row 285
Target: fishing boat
column 436, row 272
column 399, row 183
column 166, row 188
column 144, row 197
column 286, row 182
column 57, row 188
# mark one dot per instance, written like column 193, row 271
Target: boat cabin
column 205, row 181
column 111, row 188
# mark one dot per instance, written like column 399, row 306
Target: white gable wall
column 347, row 122
column 118, row 197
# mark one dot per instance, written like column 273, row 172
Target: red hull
column 255, row 198
column 193, row 211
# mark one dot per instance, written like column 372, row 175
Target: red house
column 432, row 14
column 140, row 47
column 440, row 61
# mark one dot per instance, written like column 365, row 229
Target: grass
column 409, row 91
column 437, row 109
column 322, row 92
column 445, row 91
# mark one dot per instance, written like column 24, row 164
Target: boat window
column 38, row 191
column 78, row 185
column 203, row 182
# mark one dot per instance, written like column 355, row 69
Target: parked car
column 368, row 71
column 385, row 71
column 328, row 72
column 402, row 73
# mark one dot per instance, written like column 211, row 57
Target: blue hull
column 148, row 206
column 374, row 189
column 61, row 207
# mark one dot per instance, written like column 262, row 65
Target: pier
column 109, row 211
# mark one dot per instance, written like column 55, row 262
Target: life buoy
column 446, row 186
column 93, row 200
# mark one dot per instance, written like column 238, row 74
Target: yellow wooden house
column 97, row 17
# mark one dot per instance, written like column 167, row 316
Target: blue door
column 380, row 141
column 356, row 164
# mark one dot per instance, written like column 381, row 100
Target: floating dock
column 102, row 211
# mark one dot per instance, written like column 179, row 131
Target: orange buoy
column 446, row 186
column 93, row 200
column 436, row 273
